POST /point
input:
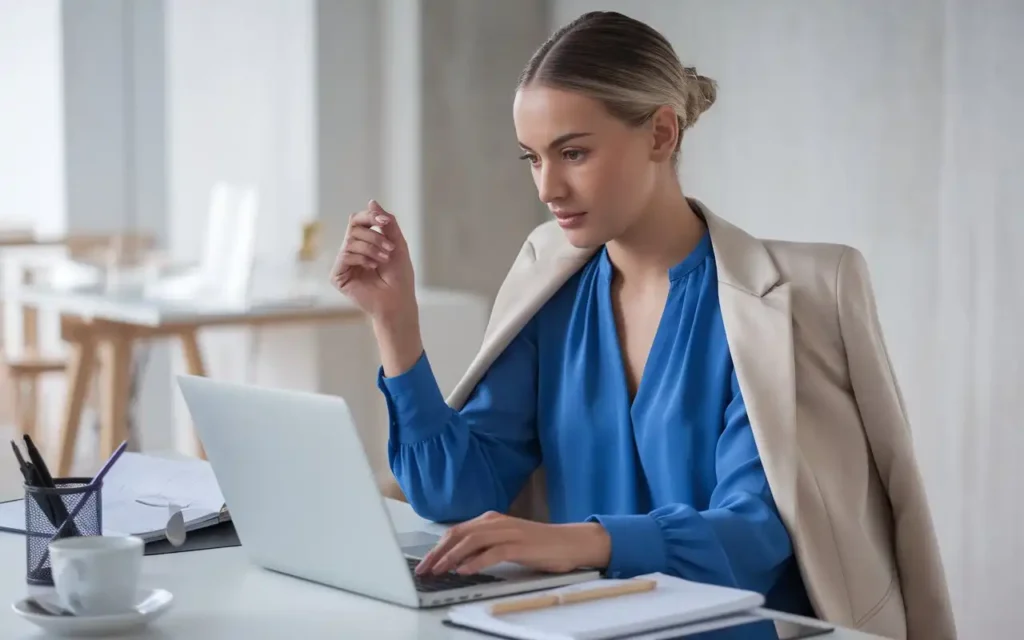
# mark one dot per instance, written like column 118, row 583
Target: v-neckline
column 651, row 352
column 675, row 275
column 620, row 365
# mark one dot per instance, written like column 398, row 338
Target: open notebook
column 674, row 607
column 137, row 493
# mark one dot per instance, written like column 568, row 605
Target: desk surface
column 218, row 594
column 132, row 307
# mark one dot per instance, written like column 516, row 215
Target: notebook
column 137, row 493
column 673, row 603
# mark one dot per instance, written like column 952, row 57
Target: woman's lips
column 570, row 219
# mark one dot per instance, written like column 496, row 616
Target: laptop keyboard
column 446, row 581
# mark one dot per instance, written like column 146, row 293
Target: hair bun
column 700, row 92
column 708, row 90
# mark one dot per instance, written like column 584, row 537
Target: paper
column 673, row 603
column 137, row 492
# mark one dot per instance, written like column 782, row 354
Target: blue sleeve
column 455, row 465
column 739, row 541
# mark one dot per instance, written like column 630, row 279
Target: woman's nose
column 550, row 184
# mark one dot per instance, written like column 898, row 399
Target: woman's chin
column 583, row 238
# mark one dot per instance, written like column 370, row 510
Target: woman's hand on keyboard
column 493, row 538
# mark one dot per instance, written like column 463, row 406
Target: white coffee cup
column 97, row 575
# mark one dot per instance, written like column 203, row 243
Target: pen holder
column 46, row 509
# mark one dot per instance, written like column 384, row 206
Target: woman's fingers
column 356, row 253
column 471, row 545
column 359, row 260
column 377, row 226
column 507, row 552
column 372, row 217
column 345, row 270
column 370, row 236
column 455, row 534
column 363, row 247
column 378, row 212
column 390, row 226
column 428, row 561
column 373, row 251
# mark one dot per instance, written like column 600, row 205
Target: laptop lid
column 299, row 487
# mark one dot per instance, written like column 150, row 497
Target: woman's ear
column 665, row 131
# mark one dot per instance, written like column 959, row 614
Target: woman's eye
column 532, row 159
column 573, row 155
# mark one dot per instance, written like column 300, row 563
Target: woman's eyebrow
column 560, row 140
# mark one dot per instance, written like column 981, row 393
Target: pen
column 570, row 597
column 37, row 461
column 26, row 470
column 29, row 474
column 58, row 513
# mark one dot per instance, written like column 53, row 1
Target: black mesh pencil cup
column 46, row 510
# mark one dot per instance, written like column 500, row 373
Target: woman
column 703, row 403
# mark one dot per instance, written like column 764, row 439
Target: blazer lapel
column 757, row 314
column 530, row 283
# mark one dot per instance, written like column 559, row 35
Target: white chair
column 225, row 267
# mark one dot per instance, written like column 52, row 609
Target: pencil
column 542, row 602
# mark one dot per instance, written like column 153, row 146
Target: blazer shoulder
column 803, row 262
column 820, row 275
column 821, row 268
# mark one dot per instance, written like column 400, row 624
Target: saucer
column 150, row 604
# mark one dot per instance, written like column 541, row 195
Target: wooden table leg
column 81, row 364
column 194, row 365
column 117, row 372
column 27, row 389
column 26, row 404
column 193, row 357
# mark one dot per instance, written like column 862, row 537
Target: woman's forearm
column 399, row 341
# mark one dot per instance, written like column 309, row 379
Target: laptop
column 304, row 500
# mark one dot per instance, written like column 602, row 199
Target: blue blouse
column 674, row 476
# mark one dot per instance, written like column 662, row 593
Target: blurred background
column 128, row 129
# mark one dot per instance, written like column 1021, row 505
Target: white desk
column 218, row 594
column 129, row 306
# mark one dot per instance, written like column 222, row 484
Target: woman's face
column 594, row 172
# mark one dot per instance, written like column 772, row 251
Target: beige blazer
column 826, row 412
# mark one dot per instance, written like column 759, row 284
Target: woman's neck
column 662, row 237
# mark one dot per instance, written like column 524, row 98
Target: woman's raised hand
column 373, row 267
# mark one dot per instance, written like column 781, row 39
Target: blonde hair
column 626, row 65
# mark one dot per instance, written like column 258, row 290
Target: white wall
column 478, row 201
column 95, row 112
column 401, row 87
column 32, row 126
column 977, row 361
column 81, row 138
column 893, row 127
